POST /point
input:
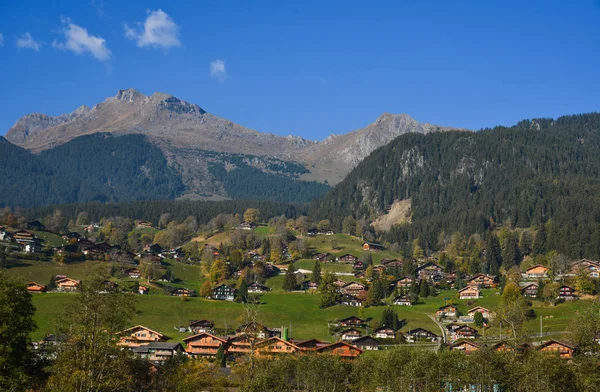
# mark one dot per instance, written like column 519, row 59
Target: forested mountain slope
column 107, row 168
column 539, row 171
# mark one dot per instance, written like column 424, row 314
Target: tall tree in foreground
column 316, row 273
column 16, row 324
column 92, row 361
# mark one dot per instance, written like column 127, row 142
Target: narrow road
column 440, row 326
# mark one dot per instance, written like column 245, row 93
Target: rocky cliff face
column 175, row 124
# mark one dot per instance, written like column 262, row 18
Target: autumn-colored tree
column 206, row 289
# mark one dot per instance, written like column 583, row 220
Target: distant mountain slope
column 462, row 181
column 91, row 168
column 177, row 126
column 106, row 168
column 338, row 154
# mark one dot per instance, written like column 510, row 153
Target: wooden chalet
column 309, row 344
column 241, row 344
column 448, row 311
column 402, row 300
column 339, row 283
column 322, row 257
column 34, row 287
column 465, row 332
column 404, row 282
column 203, row 344
column 563, row 349
column 480, row 309
column 182, row 292
column 67, row 284
column 348, row 258
column 372, row 247
column 366, row 343
column 351, row 300
column 591, row 267
column 350, row 334
column 133, row 273
column 258, row 330
column 567, row 293
column 352, row 321
column 224, row 292
column 392, row 265
column 531, row 290
column 158, row 352
column 143, row 224
column 385, row 333
column 354, row 288
column 23, row 236
column 483, row 280
column 465, row 346
column 246, row 226
column 341, row 349
column 275, row 346
column 469, row 292
column 255, row 288
column 506, row 347
column 359, row 265
column 537, row 271
column 200, row 326
column 430, row 271
column 422, row 334
column 139, row 336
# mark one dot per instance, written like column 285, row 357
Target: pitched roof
column 142, row 327
column 224, row 340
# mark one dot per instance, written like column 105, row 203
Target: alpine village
column 148, row 244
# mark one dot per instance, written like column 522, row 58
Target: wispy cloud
column 98, row 6
column 79, row 41
column 26, row 41
column 159, row 31
column 1, row 39
column 218, row 71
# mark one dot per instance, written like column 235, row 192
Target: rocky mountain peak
column 129, row 95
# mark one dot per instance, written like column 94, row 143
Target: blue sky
column 309, row 68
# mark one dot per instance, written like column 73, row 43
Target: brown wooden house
column 139, row 336
column 203, row 344
column 531, row 290
column 465, row 346
column 34, row 287
column 563, row 349
column 469, row 292
column 341, row 349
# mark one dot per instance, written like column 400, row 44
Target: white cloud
column 217, row 70
column 1, row 39
column 26, row 41
column 158, row 31
column 79, row 41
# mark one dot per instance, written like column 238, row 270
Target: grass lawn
column 43, row 271
column 346, row 244
column 331, row 267
column 51, row 239
column 298, row 311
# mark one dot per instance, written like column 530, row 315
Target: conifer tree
column 316, row 273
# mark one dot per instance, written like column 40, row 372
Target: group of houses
column 563, row 349
column 60, row 283
column 249, row 338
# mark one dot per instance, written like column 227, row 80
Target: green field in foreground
column 298, row 311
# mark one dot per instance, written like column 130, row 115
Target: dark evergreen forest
column 105, row 168
column 540, row 171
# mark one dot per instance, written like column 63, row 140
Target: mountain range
column 210, row 154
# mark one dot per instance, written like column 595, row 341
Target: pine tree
column 424, row 289
column 493, row 253
column 512, row 254
column 289, row 281
column 376, row 293
column 242, row 292
column 220, row 357
column 316, row 273
column 539, row 243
